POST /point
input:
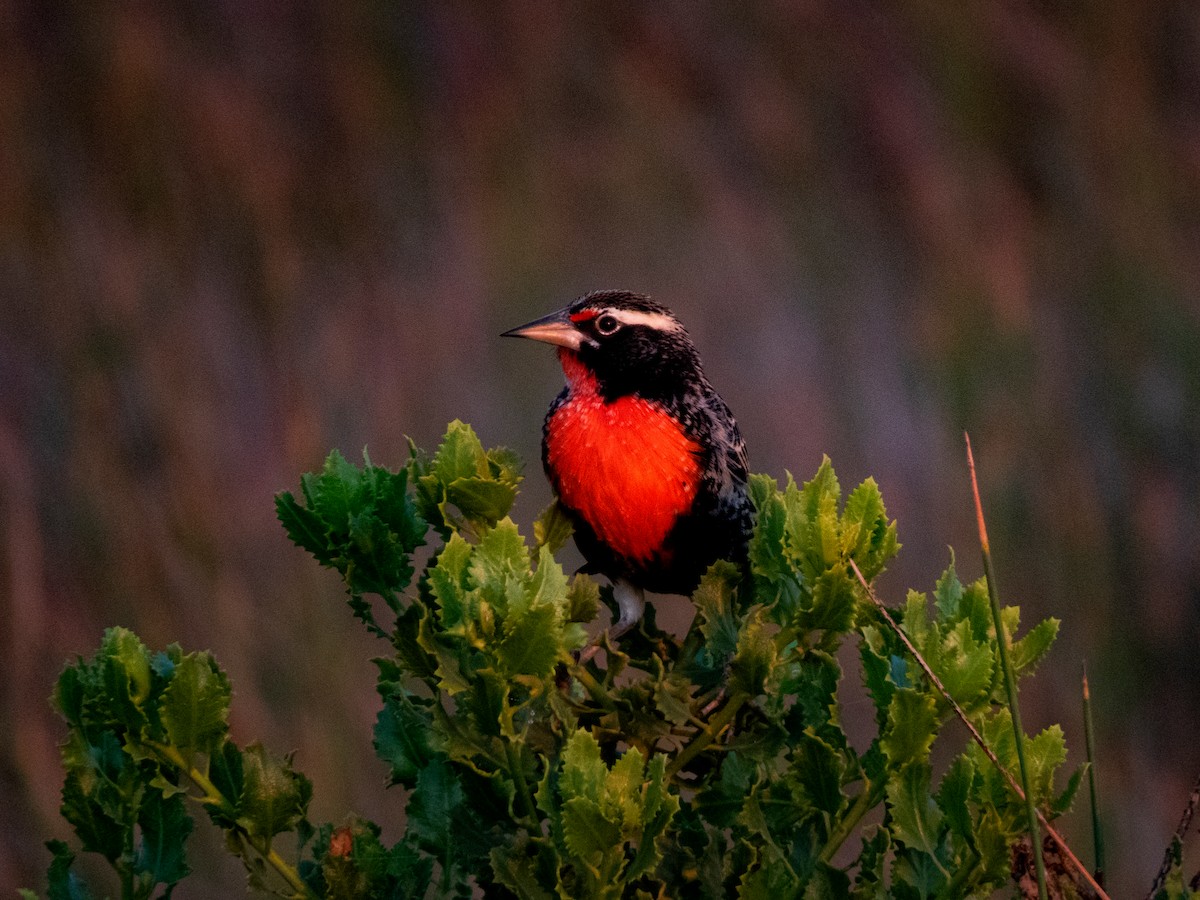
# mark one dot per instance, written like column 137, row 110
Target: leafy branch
column 708, row 764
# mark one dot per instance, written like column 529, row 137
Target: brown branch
column 1185, row 822
column 976, row 736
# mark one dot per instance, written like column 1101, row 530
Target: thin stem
column 1010, row 682
column 214, row 797
column 871, row 794
column 594, row 688
column 518, row 776
column 1090, row 746
column 974, row 732
column 1185, row 822
column 716, row 725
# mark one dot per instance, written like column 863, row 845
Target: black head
column 630, row 343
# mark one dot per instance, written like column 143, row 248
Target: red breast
column 625, row 466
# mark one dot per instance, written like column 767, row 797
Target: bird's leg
column 631, row 602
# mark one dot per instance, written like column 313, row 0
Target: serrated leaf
column 99, row 830
column 227, row 775
column 818, row 767
column 449, row 582
column 274, row 796
column 583, row 599
column 402, row 738
column 912, row 724
column 124, row 663
column 586, row 830
column 954, row 795
column 433, row 807
column 583, row 771
column 64, row 883
column 481, row 500
column 304, row 527
column 553, row 528
column 715, row 609
column 333, row 493
column 500, row 560
column 755, row 658
column 965, row 666
column 916, row 820
column 531, row 644
column 460, row 455
column 723, row 798
column 548, row 586
column 1025, row 654
column 518, row 872
column 833, row 605
column 1063, row 802
column 165, row 827
column 395, row 507
column 194, row 708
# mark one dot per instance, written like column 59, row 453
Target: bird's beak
column 556, row 328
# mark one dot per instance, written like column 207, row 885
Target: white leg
column 631, row 601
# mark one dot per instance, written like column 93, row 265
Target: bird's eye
column 607, row 324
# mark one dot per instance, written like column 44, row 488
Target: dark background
column 234, row 235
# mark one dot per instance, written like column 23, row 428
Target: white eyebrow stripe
column 657, row 321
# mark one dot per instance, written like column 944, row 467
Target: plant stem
column 871, row 794
column 1010, row 683
column 977, row 737
column 590, row 684
column 717, row 724
column 1090, row 746
column 518, row 776
column 213, row 797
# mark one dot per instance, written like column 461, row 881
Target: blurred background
column 235, row 235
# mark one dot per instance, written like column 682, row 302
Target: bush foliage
column 711, row 764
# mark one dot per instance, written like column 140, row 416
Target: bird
column 644, row 456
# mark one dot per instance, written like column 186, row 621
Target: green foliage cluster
column 708, row 765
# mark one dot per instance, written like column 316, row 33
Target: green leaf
column 194, row 708
column 1025, row 654
column 552, row 528
column 583, row 599
column 916, row 820
column 449, row 583
column 226, row 772
column 99, row 830
column 531, row 644
column 125, row 666
column 587, row 830
column 954, row 796
column 518, row 871
column 965, row 666
column 402, row 738
column 460, row 455
column 334, row 493
column 304, row 527
column 818, row 769
column 754, row 661
column 912, row 724
column 165, row 828
column 274, row 796
column 834, row 603
column 583, row 772
column 480, row 500
column 433, row 807
column 500, row 560
column 714, row 600
column 1063, row 802
column 723, row 798
column 64, row 884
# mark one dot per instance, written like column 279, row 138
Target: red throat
column 626, row 467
